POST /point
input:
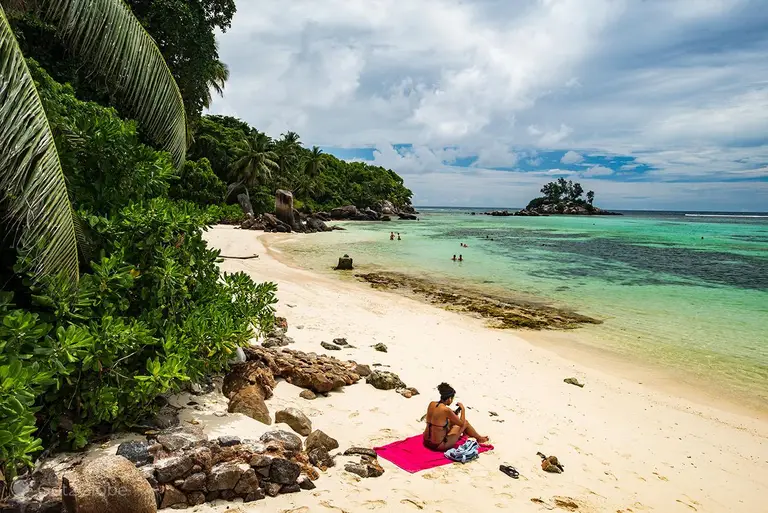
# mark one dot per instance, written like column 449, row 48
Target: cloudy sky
column 653, row 104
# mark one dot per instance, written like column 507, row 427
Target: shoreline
column 568, row 341
column 626, row 447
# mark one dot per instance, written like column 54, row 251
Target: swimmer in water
column 461, row 259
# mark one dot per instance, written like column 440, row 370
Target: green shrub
column 151, row 312
column 225, row 214
column 198, row 183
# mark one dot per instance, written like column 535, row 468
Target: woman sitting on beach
column 444, row 426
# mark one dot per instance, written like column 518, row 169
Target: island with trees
column 560, row 197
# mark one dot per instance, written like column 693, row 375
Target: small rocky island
column 560, row 197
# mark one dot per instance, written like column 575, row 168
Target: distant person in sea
column 444, row 425
column 454, row 258
column 398, row 236
column 391, row 235
column 461, row 258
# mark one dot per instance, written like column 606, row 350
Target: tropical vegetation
column 109, row 295
column 562, row 192
column 242, row 154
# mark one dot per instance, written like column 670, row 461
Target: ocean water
column 685, row 293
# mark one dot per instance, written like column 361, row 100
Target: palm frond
column 108, row 35
column 32, row 185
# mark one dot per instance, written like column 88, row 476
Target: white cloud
column 597, row 171
column 572, row 157
column 496, row 155
column 495, row 79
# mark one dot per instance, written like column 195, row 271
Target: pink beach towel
column 411, row 455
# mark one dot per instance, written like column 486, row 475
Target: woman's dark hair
column 446, row 391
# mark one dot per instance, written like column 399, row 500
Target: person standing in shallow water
column 444, row 426
column 461, row 258
column 398, row 236
column 391, row 235
column 454, row 258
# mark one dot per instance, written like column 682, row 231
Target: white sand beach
column 626, row 447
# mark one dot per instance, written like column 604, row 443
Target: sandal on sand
column 510, row 471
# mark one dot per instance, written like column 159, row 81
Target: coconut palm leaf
column 33, row 190
column 108, row 35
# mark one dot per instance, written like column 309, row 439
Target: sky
column 653, row 104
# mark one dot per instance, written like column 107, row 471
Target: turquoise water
column 681, row 293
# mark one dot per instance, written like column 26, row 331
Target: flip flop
column 510, row 471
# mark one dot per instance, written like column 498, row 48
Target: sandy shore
column 626, row 447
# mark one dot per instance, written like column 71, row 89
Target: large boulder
column 385, row 207
column 345, row 263
column 284, row 207
column 225, row 476
column 347, row 212
column 245, row 374
column 318, row 373
column 384, row 380
column 176, row 467
column 284, row 472
column 319, row 439
column 108, row 484
column 289, row 441
column 135, row 452
column 250, row 401
column 315, row 223
column 295, row 419
column 273, row 224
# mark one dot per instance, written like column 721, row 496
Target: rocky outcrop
column 295, row 419
column 347, row 212
column 384, row 380
column 319, row 439
column 345, row 263
column 250, row 402
column 318, row 373
column 226, row 468
column 284, row 207
column 110, row 483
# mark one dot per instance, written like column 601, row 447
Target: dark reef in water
column 501, row 312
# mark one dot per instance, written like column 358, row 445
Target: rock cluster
column 318, row 373
column 228, row 468
column 186, row 469
column 382, row 211
column 277, row 338
column 301, row 223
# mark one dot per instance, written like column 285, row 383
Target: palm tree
column 217, row 79
column 314, row 164
column 33, row 189
column 302, row 185
column 287, row 149
column 256, row 159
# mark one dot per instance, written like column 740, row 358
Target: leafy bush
column 225, row 214
column 151, row 313
column 198, row 183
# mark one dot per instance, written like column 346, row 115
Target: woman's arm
column 455, row 419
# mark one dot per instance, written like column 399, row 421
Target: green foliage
column 562, row 191
column 151, row 312
column 319, row 180
column 198, row 183
column 224, row 214
column 103, row 159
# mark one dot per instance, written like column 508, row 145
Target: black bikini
column 428, row 443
